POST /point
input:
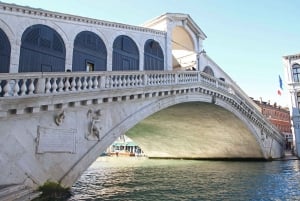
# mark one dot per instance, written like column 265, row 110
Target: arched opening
column 89, row 53
column 4, row 52
column 153, row 56
column 42, row 50
column 208, row 70
column 183, row 50
column 125, row 54
column 296, row 72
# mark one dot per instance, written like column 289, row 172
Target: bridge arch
column 125, row 54
column 5, row 51
column 153, row 56
column 89, row 53
column 42, row 50
column 254, row 149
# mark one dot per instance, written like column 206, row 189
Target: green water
column 145, row 179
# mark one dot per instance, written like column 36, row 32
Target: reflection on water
column 143, row 179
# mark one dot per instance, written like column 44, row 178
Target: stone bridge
column 54, row 125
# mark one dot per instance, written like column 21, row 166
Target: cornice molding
column 37, row 12
column 293, row 56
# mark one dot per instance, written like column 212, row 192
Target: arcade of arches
column 43, row 50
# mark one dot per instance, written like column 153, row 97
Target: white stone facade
column 291, row 70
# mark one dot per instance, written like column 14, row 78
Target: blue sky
column 247, row 39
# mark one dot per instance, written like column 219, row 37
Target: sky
column 247, row 39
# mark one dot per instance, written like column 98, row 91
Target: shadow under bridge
column 196, row 130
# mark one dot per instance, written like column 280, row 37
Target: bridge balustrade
column 20, row 85
column 30, row 84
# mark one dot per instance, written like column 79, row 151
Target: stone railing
column 21, row 85
column 31, row 84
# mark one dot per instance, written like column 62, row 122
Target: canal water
column 141, row 179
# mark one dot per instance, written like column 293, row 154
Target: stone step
column 17, row 192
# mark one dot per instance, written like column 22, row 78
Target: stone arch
column 153, row 56
column 89, row 52
column 42, row 50
column 127, row 122
column 5, row 51
column 125, row 54
column 208, row 70
column 183, row 49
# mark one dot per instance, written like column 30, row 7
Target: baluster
column 23, row 88
column 128, row 80
column 124, row 80
column 95, row 83
column 73, row 84
column 79, row 84
column 31, row 86
column 111, row 81
column 106, row 80
column 67, row 84
column 133, row 81
column 48, row 85
column 16, row 88
column 61, row 85
column 7, row 88
column 116, row 81
column 121, row 81
column 90, row 83
column 145, row 80
column 136, row 80
column 84, row 84
column 141, row 80
column 54, row 85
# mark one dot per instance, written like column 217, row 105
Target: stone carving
column 94, row 125
column 60, row 118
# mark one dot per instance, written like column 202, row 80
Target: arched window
column 42, row 50
column 296, row 72
column 208, row 70
column 153, row 56
column 125, row 54
column 298, row 99
column 89, row 52
column 4, row 52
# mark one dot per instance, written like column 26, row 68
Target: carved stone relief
column 94, row 128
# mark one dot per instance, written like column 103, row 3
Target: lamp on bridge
column 198, row 58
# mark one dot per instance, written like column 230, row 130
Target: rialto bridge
column 54, row 123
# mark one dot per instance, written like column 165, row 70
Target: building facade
column 279, row 117
column 292, row 77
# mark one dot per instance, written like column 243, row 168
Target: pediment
column 177, row 17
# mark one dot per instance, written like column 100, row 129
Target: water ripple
column 129, row 180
